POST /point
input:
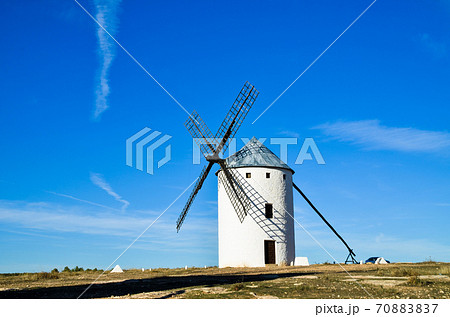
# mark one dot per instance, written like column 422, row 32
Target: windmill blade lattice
column 235, row 191
column 201, row 134
column 197, row 187
column 234, row 118
column 211, row 146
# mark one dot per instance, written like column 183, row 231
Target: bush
column 445, row 270
column 415, row 281
column 404, row 272
column 46, row 276
column 55, row 270
column 304, row 288
column 78, row 269
column 237, row 287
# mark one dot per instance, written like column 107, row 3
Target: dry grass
column 237, row 287
column 445, row 270
column 404, row 272
column 45, row 276
column 414, row 280
column 401, row 280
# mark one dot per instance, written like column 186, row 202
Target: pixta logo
column 142, row 146
column 308, row 150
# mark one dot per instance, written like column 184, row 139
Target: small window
column 267, row 175
column 248, row 175
column 284, row 176
column 269, row 211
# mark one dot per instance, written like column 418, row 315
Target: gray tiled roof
column 254, row 153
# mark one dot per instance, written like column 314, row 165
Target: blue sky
column 376, row 104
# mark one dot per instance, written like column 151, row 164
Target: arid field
column 400, row 280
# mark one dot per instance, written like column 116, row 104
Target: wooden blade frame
column 197, row 187
column 235, row 191
column 200, row 131
column 211, row 146
column 234, row 118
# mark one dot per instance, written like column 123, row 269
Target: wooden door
column 269, row 252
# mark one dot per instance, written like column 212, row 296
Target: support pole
column 351, row 255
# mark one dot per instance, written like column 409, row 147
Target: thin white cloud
column 48, row 218
column 107, row 16
column 403, row 249
column 372, row 243
column 374, row 136
column 51, row 217
column 433, row 46
column 99, row 181
column 289, row 133
column 82, row 200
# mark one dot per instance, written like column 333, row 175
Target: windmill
column 255, row 182
column 211, row 146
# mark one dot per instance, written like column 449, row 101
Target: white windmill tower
column 267, row 235
column 253, row 182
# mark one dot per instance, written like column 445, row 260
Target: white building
column 266, row 236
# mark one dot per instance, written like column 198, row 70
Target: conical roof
column 255, row 154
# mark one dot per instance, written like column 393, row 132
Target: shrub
column 415, row 281
column 445, row 270
column 304, row 288
column 404, row 272
column 237, row 287
column 77, row 269
column 55, row 270
column 46, row 276
column 382, row 272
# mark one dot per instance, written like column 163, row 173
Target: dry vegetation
column 401, row 280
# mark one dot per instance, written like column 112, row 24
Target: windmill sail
column 235, row 191
column 201, row 134
column 197, row 187
column 234, row 118
column 211, row 146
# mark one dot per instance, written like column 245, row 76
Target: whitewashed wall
column 242, row 244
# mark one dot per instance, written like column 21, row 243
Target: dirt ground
column 400, row 280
